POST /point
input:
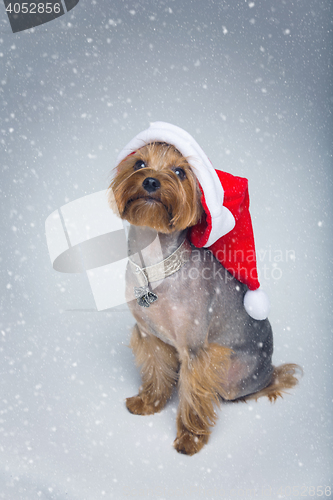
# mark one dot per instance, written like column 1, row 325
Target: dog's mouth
column 149, row 200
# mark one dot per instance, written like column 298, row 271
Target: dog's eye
column 180, row 172
column 139, row 164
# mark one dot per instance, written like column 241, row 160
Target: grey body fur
column 199, row 304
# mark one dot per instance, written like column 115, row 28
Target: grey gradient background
column 252, row 82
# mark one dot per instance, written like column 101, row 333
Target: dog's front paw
column 188, row 443
column 142, row 405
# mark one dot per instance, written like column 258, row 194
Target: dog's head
column 155, row 187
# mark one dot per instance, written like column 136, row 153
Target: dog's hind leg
column 284, row 377
column 159, row 366
column 201, row 384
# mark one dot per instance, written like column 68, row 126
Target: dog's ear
column 112, row 201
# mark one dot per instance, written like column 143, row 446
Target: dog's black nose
column 151, row 185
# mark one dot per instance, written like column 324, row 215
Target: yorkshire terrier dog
column 192, row 328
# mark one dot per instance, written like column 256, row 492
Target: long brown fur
column 284, row 377
column 202, row 381
column 159, row 366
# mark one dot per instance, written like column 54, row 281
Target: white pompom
column 256, row 303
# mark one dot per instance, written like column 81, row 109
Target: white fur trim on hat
column 256, row 303
column 222, row 219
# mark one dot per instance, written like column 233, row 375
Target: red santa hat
column 226, row 228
